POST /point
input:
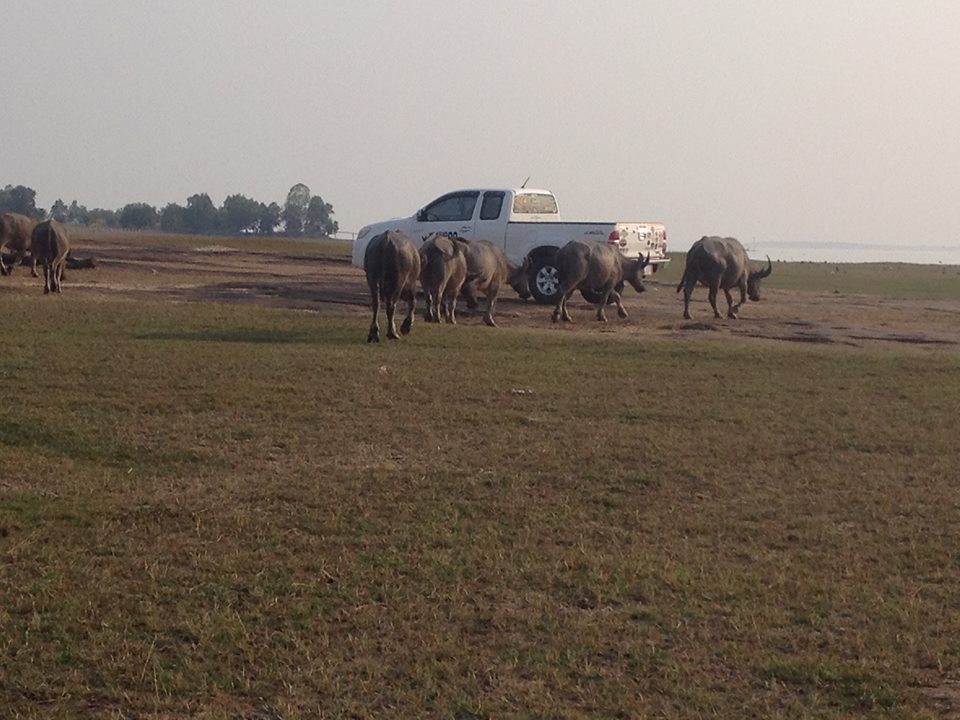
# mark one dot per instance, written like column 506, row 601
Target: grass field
column 225, row 511
column 891, row 280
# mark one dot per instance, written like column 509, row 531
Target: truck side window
column 455, row 207
column 492, row 205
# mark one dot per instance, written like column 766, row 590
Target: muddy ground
column 221, row 272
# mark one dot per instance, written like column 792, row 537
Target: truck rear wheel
column 544, row 281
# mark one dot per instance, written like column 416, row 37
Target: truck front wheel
column 544, row 281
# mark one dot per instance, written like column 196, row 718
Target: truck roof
column 517, row 191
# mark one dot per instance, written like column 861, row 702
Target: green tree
column 295, row 209
column 78, row 214
column 200, row 216
column 173, row 218
column 20, row 199
column 239, row 213
column 319, row 220
column 100, row 216
column 138, row 216
column 270, row 216
column 59, row 211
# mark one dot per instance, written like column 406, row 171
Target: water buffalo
column 50, row 248
column 392, row 265
column 598, row 267
column 443, row 270
column 721, row 264
column 487, row 270
column 15, row 234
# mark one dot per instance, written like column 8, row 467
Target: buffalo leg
column 492, row 292
column 452, row 305
column 621, row 311
column 374, row 334
column 428, row 311
column 411, row 297
column 731, row 308
column 602, row 307
column 687, row 293
column 743, row 294
column 449, row 294
column 565, row 297
column 60, row 267
column 440, row 304
column 391, row 314
column 560, row 311
column 714, row 289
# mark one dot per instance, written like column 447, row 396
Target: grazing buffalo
column 487, row 270
column 392, row 265
column 721, row 264
column 443, row 270
column 50, row 248
column 598, row 267
column 16, row 235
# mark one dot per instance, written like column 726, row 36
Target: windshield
column 534, row 204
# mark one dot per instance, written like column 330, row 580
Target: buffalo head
column 754, row 278
column 633, row 273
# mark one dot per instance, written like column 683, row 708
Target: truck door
column 452, row 213
column 489, row 224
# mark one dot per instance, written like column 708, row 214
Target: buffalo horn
column 760, row 274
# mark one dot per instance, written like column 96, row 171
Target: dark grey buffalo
column 487, row 270
column 721, row 264
column 50, row 246
column 16, row 232
column 599, row 268
column 392, row 265
column 443, row 270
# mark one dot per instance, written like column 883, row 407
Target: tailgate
column 644, row 239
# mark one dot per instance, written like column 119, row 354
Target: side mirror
column 421, row 215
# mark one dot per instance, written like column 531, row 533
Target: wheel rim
column 546, row 280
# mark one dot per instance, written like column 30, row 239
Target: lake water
column 842, row 252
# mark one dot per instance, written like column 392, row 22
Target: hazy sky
column 776, row 120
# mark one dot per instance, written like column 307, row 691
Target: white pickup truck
column 524, row 222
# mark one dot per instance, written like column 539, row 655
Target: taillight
column 614, row 237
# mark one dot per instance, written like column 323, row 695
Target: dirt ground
column 224, row 273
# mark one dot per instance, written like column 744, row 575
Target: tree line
column 303, row 214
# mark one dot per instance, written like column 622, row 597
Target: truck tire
column 544, row 282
